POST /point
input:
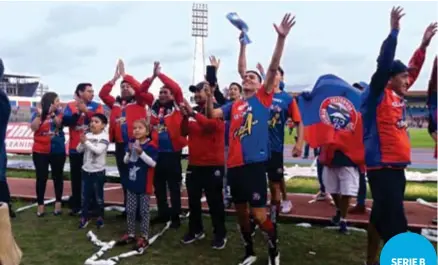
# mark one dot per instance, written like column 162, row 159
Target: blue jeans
column 92, row 188
column 319, row 168
column 362, row 194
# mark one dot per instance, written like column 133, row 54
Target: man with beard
column 249, row 148
column 5, row 110
column 166, row 119
column 77, row 116
column 125, row 109
column 386, row 140
column 206, row 167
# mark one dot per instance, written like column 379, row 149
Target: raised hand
column 215, row 62
column 157, row 69
column 117, row 73
column 396, row 15
column 429, row 33
column 286, row 24
column 121, row 68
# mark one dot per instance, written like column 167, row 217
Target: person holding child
column 94, row 146
column 141, row 160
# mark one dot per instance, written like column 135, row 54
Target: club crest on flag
column 339, row 113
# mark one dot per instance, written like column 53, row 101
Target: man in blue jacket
column 5, row 110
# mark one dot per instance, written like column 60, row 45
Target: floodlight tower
column 199, row 32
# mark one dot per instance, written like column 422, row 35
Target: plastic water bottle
column 134, row 155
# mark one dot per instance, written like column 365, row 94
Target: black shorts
column 275, row 167
column 388, row 188
column 248, row 184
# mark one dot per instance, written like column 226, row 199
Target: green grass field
column 57, row 240
column 414, row 190
column 420, row 138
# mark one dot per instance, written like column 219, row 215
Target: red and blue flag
column 331, row 117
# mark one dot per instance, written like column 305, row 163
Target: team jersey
column 78, row 122
column 386, row 137
column 123, row 113
column 141, row 175
column 283, row 106
column 249, row 133
column 166, row 119
column 206, row 139
column 48, row 138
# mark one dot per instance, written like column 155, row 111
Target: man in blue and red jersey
column 5, row 110
column 386, row 140
column 249, row 147
column 166, row 119
column 125, row 109
column 77, row 115
column 283, row 107
column 205, row 171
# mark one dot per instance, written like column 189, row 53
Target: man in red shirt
column 125, row 109
column 77, row 115
column 166, row 119
column 205, row 171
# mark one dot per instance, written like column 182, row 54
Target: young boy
column 94, row 145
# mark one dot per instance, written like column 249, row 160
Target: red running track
column 419, row 216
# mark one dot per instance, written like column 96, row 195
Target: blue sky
column 68, row 43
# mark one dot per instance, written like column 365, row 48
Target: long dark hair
column 46, row 101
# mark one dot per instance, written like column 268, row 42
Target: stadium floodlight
column 199, row 33
column 200, row 20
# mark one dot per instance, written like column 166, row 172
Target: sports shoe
column 274, row 258
column 99, row 223
column 321, row 196
column 192, row 237
column 337, row 218
column 286, row 206
column 248, row 259
column 176, row 222
column 83, row 223
column 358, row 209
column 142, row 244
column 343, row 228
column 219, row 242
column 125, row 240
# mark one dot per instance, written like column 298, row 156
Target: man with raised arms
column 386, row 140
column 249, row 148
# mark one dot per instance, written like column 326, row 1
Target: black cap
column 196, row 88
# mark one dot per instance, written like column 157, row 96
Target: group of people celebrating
column 235, row 143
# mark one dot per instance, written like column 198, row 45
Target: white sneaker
column 286, row 206
column 274, row 260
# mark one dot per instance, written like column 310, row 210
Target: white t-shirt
column 94, row 150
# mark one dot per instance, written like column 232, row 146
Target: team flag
column 331, row 117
